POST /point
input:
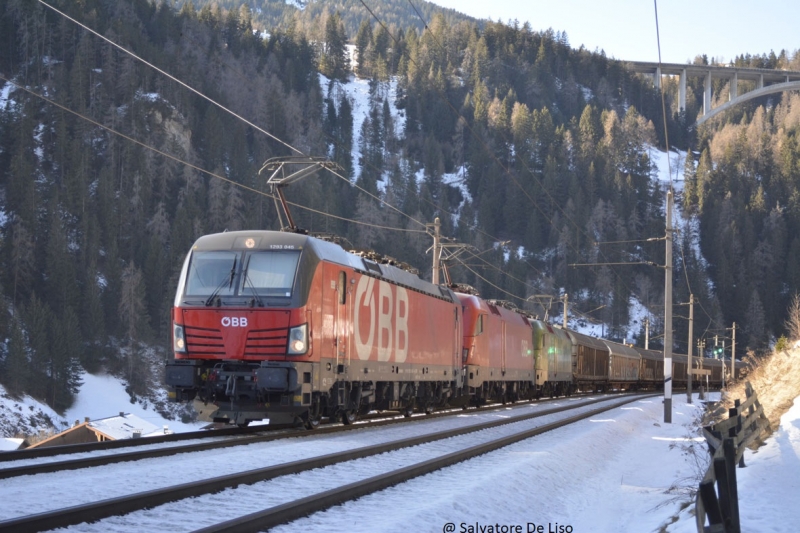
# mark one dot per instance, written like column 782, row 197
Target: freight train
column 295, row 329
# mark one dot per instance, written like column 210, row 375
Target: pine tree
column 64, row 364
column 60, row 273
column 334, row 63
column 132, row 305
column 755, row 326
column 343, row 151
column 689, row 183
column 23, row 262
column 16, row 365
column 92, row 319
column 155, row 274
column 21, row 190
column 363, row 49
column 37, row 318
column 703, row 177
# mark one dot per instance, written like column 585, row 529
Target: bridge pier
column 733, row 87
column 707, row 93
column 682, row 91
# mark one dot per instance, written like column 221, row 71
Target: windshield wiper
column 257, row 298
column 224, row 282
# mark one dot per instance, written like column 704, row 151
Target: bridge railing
column 726, row 442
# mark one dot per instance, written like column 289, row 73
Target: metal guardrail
column 726, row 442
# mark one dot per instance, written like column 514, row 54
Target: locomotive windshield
column 270, row 273
column 212, row 273
column 243, row 274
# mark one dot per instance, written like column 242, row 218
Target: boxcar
column 590, row 362
column 651, row 369
column 623, row 368
column 680, row 375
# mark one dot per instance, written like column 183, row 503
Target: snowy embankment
column 100, row 396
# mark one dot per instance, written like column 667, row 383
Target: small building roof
column 123, row 426
column 8, row 444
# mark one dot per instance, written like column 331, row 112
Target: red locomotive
column 286, row 326
column 498, row 350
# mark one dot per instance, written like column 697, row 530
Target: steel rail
column 35, row 453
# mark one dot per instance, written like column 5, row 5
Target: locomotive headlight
column 178, row 339
column 298, row 340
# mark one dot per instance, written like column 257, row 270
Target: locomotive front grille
column 205, row 341
column 261, row 342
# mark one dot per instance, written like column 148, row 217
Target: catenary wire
column 192, row 166
column 212, row 101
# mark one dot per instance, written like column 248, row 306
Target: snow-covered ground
column 623, row 471
column 103, row 396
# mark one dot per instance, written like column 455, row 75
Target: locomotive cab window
column 212, row 273
column 341, row 287
column 479, row 325
column 270, row 273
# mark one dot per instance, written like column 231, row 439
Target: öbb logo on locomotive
column 234, row 321
column 384, row 312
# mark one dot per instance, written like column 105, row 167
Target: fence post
column 723, row 487
column 729, row 448
column 734, row 432
column 711, row 504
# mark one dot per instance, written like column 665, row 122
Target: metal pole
column 690, row 367
column 436, row 251
column 722, row 353
column 733, row 352
column 668, row 316
column 647, row 333
column 566, row 298
column 701, row 348
column 701, row 361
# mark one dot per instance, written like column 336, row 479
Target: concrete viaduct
column 767, row 82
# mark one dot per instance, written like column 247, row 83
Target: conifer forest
column 537, row 154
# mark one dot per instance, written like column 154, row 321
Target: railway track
column 211, row 440
column 38, row 453
column 513, row 429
